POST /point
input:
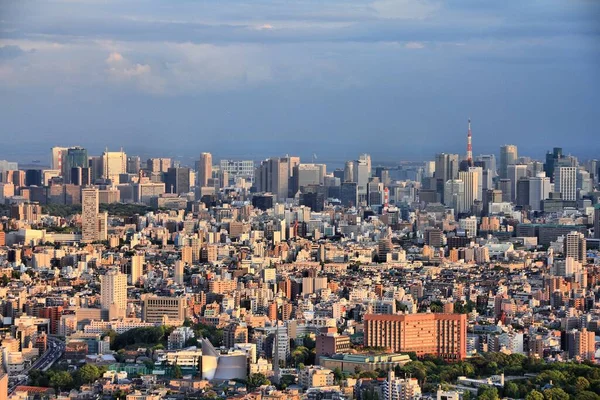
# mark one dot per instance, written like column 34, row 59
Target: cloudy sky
column 396, row 78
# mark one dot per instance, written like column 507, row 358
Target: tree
column 257, row 380
column 587, row 395
column 176, row 372
column 555, row 394
column 61, row 380
column 338, row 375
column 511, row 390
column 88, row 373
column 488, row 393
column 581, row 384
column 534, row 395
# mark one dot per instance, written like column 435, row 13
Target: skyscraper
column 471, row 182
column 204, row 169
column 575, row 246
column 177, row 180
column 73, row 157
column 514, row 173
column 89, row 215
column 597, row 221
column 57, row 158
column 114, row 163
column 508, row 155
column 349, row 171
column 469, row 146
column 539, row 190
column 454, row 195
column 113, row 293
column 565, row 182
column 134, row 164
column 273, row 175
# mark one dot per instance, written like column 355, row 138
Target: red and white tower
column 469, row 146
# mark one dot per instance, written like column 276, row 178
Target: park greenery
column 529, row 377
column 63, row 380
column 116, row 209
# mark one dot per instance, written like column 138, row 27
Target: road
column 55, row 350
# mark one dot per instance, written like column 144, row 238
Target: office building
column 57, row 157
column 114, row 163
column 539, row 190
column 134, row 164
column 113, row 293
column 514, row 173
column 565, row 182
column 155, row 308
column 238, row 169
column 204, row 169
column 349, row 194
column 158, row 165
column 597, row 221
column 552, row 158
column 508, row 156
column 307, row 174
column 454, row 195
column 471, row 183
column 177, row 180
column 73, row 157
column 442, row 335
column 273, row 175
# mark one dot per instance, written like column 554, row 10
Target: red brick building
column 442, row 335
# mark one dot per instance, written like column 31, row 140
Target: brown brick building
column 442, row 335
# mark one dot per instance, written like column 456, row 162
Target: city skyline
column 321, row 77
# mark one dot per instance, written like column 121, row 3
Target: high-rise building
column 565, row 182
column 137, row 267
column 597, row 221
column 113, row 293
column 454, row 195
column 508, row 156
column 575, row 246
column 504, row 184
column 114, row 163
column 349, row 171
column 273, row 176
column 442, row 335
column 349, row 194
column 307, row 174
column 177, row 180
column 539, row 190
column 551, row 160
column 204, row 169
column 471, row 181
column 73, row 157
column 446, row 168
column 581, row 343
column 514, row 172
column 134, row 164
column 89, row 215
column 238, row 169
column 57, row 158
column 178, row 273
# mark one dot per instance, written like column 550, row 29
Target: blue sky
column 396, row 78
